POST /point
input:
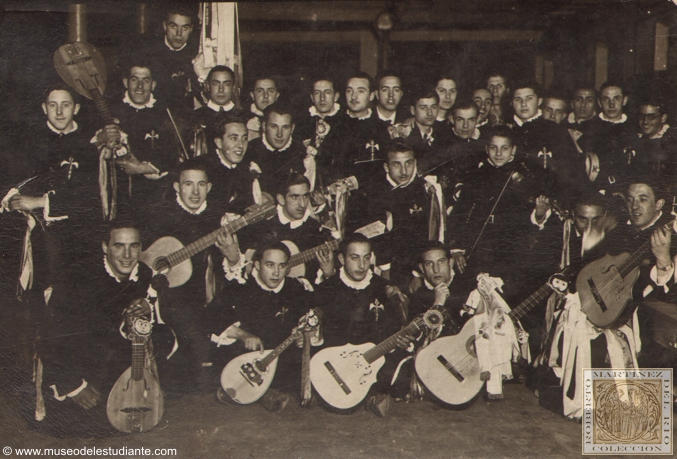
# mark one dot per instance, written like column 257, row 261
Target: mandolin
column 136, row 404
column 448, row 366
column 343, row 375
column 605, row 285
column 247, row 377
column 168, row 255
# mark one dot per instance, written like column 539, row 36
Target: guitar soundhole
column 162, row 265
column 470, row 346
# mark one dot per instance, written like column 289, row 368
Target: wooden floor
column 200, row 427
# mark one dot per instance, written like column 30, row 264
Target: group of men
column 425, row 186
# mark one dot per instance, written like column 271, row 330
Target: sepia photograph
column 338, row 229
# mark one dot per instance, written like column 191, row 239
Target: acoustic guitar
column 343, row 375
column 168, row 255
column 247, row 377
column 136, row 404
column 448, row 366
column 605, row 285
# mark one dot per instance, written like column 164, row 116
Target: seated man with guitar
column 361, row 307
column 88, row 347
column 259, row 315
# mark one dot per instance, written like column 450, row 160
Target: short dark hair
column 280, row 108
column 592, row 199
column 497, row 73
column 555, row 94
column 220, row 68
column 61, row 87
column 465, row 104
column 654, row 101
column 294, row 178
column 429, row 246
column 220, row 128
column 119, row 223
column 583, row 87
column 193, row 164
column 397, row 145
column 611, row 84
column 323, row 77
column 364, row 76
column 140, row 64
column 261, row 78
column 446, row 76
column 180, row 10
column 533, row 85
column 656, row 183
column 424, row 92
column 258, row 255
column 502, row 130
column 386, row 73
column 353, row 238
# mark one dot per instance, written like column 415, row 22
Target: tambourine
column 592, row 165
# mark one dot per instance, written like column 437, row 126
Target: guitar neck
column 389, row 344
column 534, row 300
column 203, row 243
column 308, row 255
column 267, row 360
column 101, row 106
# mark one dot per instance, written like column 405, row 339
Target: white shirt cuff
column 223, row 339
column 61, row 398
column 540, row 225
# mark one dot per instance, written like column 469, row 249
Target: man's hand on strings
column 138, row 308
column 251, row 342
column 660, row 246
column 88, row 397
column 26, row 203
column 403, row 341
column 541, row 207
column 326, row 258
column 110, row 135
column 459, row 261
column 228, row 246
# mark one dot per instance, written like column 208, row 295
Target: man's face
column 324, row 97
column 484, row 100
column 60, row 109
column 447, row 92
column 612, row 101
column 221, row 88
column 650, row 120
column 389, row 93
column 193, row 187
column 233, row 144
column 525, row 102
column 400, row 166
column 177, row 30
column 554, row 110
column 425, row 111
column 436, row 267
column 356, row 261
column 496, row 84
column 273, row 267
column 123, row 251
column 588, row 218
column 295, row 202
column 500, row 150
column 584, row 104
column 139, row 85
column 265, row 93
column 278, row 129
column 642, row 205
column 464, row 121
column 358, row 95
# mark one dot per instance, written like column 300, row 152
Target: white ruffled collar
column 519, row 121
column 223, row 161
column 365, row 117
column 200, row 209
column 131, row 103
column 272, row 148
column 217, row 108
column 361, row 285
column 133, row 276
column 170, row 46
column 313, row 111
column 257, row 278
column 404, row 185
column 55, row 130
column 659, row 134
column 623, row 119
column 483, row 123
column 293, row 224
column 255, row 110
